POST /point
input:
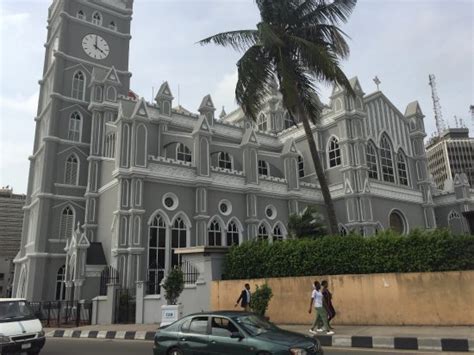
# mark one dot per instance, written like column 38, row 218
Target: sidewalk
column 384, row 337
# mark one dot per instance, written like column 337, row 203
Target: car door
column 194, row 337
column 220, row 340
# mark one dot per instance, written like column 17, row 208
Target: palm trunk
column 333, row 228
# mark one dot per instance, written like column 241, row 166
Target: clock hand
column 95, row 41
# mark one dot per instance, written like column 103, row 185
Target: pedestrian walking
column 321, row 316
column 244, row 298
column 328, row 302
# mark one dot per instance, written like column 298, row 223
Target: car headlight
column 4, row 339
column 41, row 334
column 298, row 351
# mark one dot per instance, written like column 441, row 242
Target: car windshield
column 15, row 310
column 254, row 324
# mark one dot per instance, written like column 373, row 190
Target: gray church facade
column 118, row 181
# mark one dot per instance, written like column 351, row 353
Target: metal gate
column 125, row 305
column 63, row 313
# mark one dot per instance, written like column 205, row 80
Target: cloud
column 13, row 19
column 224, row 93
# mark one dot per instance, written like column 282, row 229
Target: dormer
column 415, row 117
column 207, row 108
column 164, row 99
column 342, row 101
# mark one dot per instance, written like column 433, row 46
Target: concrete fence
column 438, row 298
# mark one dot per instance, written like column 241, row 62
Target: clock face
column 95, row 46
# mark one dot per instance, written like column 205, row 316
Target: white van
column 20, row 330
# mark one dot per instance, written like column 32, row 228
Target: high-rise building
column 450, row 154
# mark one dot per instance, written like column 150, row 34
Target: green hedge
column 421, row 251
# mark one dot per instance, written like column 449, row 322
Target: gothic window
column 262, row 122
column 113, row 26
column 98, row 94
column 288, row 122
column 232, row 234
column 111, row 94
column 183, row 153
column 81, row 15
column 386, row 162
column 215, row 234
column 178, row 240
column 74, row 133
column 397, row 222
column 372, row 161
column 263, row 168
column 71, row 171
column 300, row 166
column 156, row 254
column 224, row 160
column 277, row 234
column 60, row 284
column 334, row 152
column 97, row 18
column 402, row 169
column 66, row 224
column 110, row 145
column 262, row 232
column 78, row 85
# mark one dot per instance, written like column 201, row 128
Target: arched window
column 113, row 26
column 397, row 222
column 300, row 166
column 81, row 15
column 66, row 223
column 288, row 122
column 60, row 284
column 342, row 229
column 232, row 234
column 224, row 160
column 74, row 133
column 178, row 240
column 277, row 234
column 71, row 170
column 215, row 234
column 97, row 18
column 183, row 153
column 372, row 161
column 78, row 85
column 111, row 94
column 262, row 122
column 386, row 162
column 262, row 232
column 402, row 168
column 334, row 152
column 156, row 254
column 263, row 168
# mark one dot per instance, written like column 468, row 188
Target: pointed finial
column 223, row 113
column 377, row 82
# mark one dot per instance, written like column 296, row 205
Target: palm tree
column 299, row 43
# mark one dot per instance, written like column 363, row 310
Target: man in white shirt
column 321, row 317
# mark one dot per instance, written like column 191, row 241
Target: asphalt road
column 137, row 347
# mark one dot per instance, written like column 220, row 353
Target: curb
column 341, row 341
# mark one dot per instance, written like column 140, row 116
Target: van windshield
column 15, row 310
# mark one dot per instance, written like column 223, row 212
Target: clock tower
column 85, row 70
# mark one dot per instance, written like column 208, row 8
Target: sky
column 401, row 42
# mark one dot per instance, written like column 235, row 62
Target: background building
column 11, row 220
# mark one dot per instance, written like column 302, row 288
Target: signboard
column 170, row 314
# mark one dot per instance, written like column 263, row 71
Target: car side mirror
column 236, row 335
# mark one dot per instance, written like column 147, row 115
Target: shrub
column 310, row 222
column 420, row 251
column 173, row 285
column 261, row 298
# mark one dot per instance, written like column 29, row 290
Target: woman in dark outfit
column 328, row 302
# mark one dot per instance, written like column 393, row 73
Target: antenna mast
column 436, row 105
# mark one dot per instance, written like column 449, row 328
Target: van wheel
column 175, row 351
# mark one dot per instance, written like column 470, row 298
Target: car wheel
column 175, row 351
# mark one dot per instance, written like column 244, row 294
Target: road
column 137, row 347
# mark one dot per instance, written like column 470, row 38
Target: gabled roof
column 202, row 125
column 249, row 137
column 289, row 147
column 140, row 109
column 355, row 84
column 164, row 92
column 206, row 103
column 413, row 108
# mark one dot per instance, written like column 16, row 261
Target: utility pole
column 436, row 106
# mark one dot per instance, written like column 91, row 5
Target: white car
column 20, row 330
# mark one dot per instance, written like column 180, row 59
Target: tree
column 261, row 298
column 174, row 285
column 308, row 224
column 298, row 43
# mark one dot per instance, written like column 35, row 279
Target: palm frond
column 327, row 35
column 326, row 11
column 238, row 40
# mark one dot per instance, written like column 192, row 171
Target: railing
column 190, row 273
column 63, row 313
column 108, row 276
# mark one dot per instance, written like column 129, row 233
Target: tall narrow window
column 74, row 133
column 60, row 285
column 224, row 160
column 288, row 121
column 71, row 170
column 334, row 152
column 402, row 169
column 277, row 234
column 178, row 240
column 262, row 232
column 386, row 162
column 183, row 153
column 78, row 85
column 156, row 254
column 262, row 122
column 66, row 224
column 300, row 166
column 215, row 234
column 232, row 234
column 372, row 161
column 113, row 26
column 97, row 18
column 263, row 168
column 81, row 15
